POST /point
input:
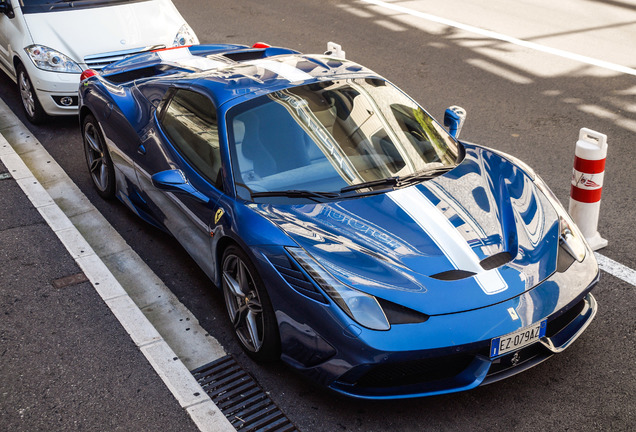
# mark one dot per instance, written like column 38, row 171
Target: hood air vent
column 489, row 263
column 452, row 275
column 496, row 260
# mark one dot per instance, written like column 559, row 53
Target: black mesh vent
column 415, row 371
column 559, row 323
column 292, row 274
column 245, row 55
column 496, row 260
column 398, row 314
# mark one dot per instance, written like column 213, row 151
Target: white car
column 46, row 44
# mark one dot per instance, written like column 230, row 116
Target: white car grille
column 99, row 61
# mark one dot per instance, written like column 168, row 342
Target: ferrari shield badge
column 218, row 215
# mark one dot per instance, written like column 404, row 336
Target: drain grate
column 240, row 398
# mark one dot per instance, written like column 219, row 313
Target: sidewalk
column 65, row 361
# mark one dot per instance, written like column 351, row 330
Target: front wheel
column 100, row 165
column 32, row 107
column 249, row 307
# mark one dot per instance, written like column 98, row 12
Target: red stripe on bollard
column 589, row 166
column 585, row 195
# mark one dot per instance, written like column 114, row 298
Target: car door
column 179, row 169
column 13, row 31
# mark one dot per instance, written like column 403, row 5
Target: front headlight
column 361, row 307
column 569, row 235
column 51, row 60
column 185, row 36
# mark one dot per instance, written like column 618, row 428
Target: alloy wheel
column 243, row 303
column 95, row 156
column 26, row 94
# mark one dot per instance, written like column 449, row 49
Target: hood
column 478, row 235
column 96, row 30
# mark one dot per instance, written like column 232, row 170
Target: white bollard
column 587, row 185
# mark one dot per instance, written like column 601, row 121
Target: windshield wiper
column 294, row 193
column 389, row 181
column 423, row 175
column 400, row 181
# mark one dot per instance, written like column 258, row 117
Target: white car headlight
column 185, row 36
column 361, row 307
column 51, row 60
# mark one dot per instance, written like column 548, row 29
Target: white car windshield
column 331, row 137
column 35, row 6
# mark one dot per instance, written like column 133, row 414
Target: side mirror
column 6, row 8
column 454, row 118
column 176, row 181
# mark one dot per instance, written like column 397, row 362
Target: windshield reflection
column 330, row 135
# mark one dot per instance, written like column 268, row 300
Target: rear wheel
column 32, row 107
column 100, row 165
column 249, row 307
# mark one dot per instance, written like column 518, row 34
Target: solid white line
column 175, row 375
column 498, row 36
column 616, row 269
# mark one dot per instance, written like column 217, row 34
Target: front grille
column 414, row 371
column 516, row 359
column 100, row 61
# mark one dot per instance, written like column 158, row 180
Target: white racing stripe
column 498, row 36
column 183, row 57
column 288, row 72
column 447, row 238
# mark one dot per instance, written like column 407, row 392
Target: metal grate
column 240, row 398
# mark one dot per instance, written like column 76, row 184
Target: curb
column 170, row 368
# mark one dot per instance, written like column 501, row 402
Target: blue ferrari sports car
column 351, row 234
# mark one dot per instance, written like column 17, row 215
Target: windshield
column 36, row 6
column 327, row 136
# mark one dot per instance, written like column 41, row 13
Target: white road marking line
column 616, row 269
column 174, row 373
column 509, row 39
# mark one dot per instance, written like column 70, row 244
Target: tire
column 249, row 307
column 100, row 165
column 30, row 102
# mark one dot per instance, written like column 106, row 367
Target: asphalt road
column 522, row 101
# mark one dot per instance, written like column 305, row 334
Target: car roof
column 257, row 77
column 227, row 72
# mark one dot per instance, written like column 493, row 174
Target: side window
column 189, row 121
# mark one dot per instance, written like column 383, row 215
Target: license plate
column 520, row 338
